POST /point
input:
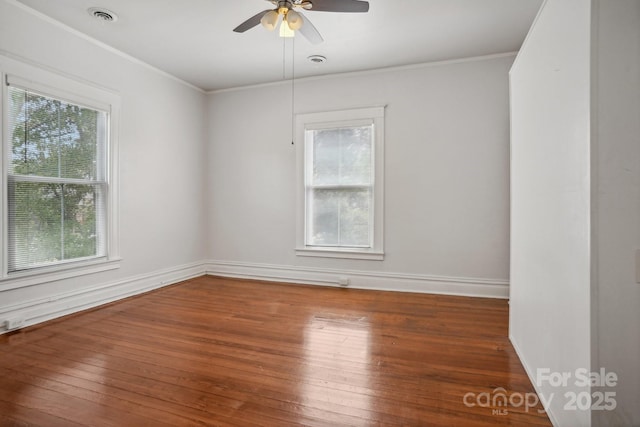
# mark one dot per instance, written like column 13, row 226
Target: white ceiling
column 193, row 39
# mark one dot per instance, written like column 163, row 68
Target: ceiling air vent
column 317, row 59
column 102, row 14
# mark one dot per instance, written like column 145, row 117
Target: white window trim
column 64, row 87
column 331, row 119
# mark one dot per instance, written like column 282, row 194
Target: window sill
column 340, row 253
column 38, row 276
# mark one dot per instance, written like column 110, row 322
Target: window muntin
column 56, row 182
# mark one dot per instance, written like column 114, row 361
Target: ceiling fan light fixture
column 294, row 19
column 285, row 30
column 270, row 20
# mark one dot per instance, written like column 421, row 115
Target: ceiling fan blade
column 354, row 6
column 251, row 22
column 309, row 31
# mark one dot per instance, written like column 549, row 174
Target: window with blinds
column 56, row 181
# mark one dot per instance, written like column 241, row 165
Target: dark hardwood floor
column 216, row 351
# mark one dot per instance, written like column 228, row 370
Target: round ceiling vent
column 102, row 14
column 317, row 59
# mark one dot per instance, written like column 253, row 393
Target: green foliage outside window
column 55, row 188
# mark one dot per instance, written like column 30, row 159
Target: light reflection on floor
column 338, row 353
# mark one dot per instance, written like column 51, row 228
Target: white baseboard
column 40, row 310
column 373, row 280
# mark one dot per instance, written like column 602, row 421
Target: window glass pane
column 339, row 217
column 354, row 218
column 342, row 156
column 52, row 138
column 53, row 222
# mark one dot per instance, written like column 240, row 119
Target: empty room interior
column 320, row 213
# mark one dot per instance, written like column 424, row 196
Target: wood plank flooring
column 227, row 352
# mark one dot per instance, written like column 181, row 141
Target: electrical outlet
column 14, row 323
column 343, row 281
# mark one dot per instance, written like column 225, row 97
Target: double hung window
column 58, row 182
column 341, row 184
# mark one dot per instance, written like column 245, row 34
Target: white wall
column 550, row 200
column 161, row 136
column 617, row 212
column 446, row 177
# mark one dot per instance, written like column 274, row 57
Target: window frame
column 333, row 120
column 41, row 81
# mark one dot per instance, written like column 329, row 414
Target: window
column 58, row 184
column 340, row 191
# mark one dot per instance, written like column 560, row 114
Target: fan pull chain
column 293, row 72
column 284, row 58
column 284, row 77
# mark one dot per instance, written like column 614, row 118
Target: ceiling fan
column 292, row 20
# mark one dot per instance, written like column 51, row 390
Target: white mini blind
column 56, row 180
